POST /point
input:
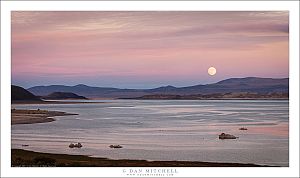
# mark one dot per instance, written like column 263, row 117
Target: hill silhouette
column 19, row 94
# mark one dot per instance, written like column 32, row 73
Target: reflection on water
column 165, row 130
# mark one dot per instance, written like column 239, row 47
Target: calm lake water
column 165, row 130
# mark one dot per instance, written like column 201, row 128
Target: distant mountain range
column 252, row 85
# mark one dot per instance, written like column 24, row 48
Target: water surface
column 165, row 130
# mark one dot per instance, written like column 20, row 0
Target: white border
column 7, row 6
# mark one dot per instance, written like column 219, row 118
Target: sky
column 147, row 49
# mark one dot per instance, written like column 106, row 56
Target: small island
column 63, row 96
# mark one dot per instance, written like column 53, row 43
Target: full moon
column 212, row 71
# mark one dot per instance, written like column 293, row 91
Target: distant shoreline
column 24, row 158
column 50, row 102
column 207, row 99
column 215, row 96
column 94, row 99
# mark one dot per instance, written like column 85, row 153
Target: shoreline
column 51, row 102
column 25, row 158
column 139, row 99
column 24, row 116
column 204, row 99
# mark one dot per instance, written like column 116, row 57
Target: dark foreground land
column 23, row 158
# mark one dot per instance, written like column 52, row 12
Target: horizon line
column 148, row 88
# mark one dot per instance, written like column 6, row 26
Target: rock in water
column 227, row 136
column 243, row 128
column 76, row 145
column 115, row 146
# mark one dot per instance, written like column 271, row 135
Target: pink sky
column 147, row 49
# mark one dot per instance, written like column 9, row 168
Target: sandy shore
column 23, row 158
column 34, row 116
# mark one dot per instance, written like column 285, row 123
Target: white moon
column 212, row 71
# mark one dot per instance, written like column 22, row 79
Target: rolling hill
column 20, row 94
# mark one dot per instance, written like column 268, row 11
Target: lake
column 165, row 130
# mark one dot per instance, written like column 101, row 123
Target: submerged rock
column 76, row 145
column 115, row 146
column 243, row 128
column 227, row 136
